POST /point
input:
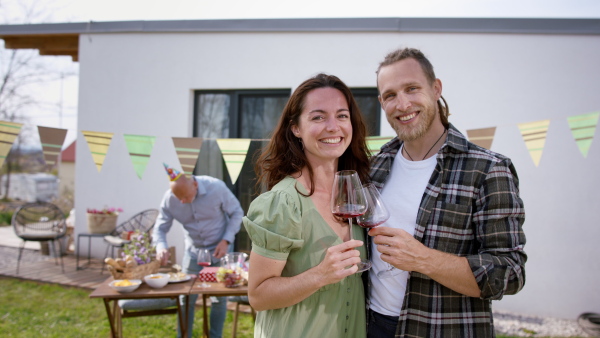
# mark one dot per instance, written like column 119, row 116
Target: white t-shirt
column 402, row 195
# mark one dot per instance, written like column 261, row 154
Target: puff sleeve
column 274, row 224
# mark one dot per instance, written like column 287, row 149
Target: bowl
column 157, row 280
column 125, row 285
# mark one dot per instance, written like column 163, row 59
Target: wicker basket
column 137, row 272
column 101, row 223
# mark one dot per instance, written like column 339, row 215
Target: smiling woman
column 301, row 252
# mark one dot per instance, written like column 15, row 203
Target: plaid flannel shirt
column 471, row 208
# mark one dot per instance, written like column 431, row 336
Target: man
column 455, row 228
column 211, row 217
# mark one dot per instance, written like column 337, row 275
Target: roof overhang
column 63, row 38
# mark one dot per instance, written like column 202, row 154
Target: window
column 251, row 114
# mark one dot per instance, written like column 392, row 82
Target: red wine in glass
column 375, row 215
column 204, row 257
column 369, row 224
column 348, row 201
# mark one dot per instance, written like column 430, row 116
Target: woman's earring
column 301, row 143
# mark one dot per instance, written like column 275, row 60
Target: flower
column 105, row 211
column 140, row 248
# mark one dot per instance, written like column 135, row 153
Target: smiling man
column 455, row 229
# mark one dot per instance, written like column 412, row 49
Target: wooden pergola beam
column 59, row 44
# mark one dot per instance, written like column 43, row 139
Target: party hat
column 174, row 174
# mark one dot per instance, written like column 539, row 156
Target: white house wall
column 143, row 84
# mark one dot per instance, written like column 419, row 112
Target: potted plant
column 102, row 221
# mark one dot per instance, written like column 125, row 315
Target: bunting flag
column 140, row 148
column 52, row 140
column 482, row 137
column 374, row 143
column 98, row 143
column 534, row 134
column 8, row 134
column 188, row 150
column 234, row 154
column 583, row 128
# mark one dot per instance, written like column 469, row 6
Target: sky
column 61, row 95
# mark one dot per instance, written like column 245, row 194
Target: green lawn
column 29, row 309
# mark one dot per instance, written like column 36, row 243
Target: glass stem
column 351, row 234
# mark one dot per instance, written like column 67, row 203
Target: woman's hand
column 339, row 262
column 268, row 290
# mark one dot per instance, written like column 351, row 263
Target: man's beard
column 426, row 118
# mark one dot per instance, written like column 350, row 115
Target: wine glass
column 204, row 259
column 348, row 200
column 375, row 215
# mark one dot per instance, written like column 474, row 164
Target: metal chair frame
column 143, row 221
column 40, row 222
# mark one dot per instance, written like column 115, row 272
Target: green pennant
column 139, row 147
column 583, row 128
column 374, row 143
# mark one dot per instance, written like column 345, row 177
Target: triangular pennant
column 188, row 150
column 52, row 141
column 534, row 134
column 482, row 137
column 583, row 128
column 139, row 147
column 8, row 134
column 374, row 143
column 98, row 143
column 234, row 153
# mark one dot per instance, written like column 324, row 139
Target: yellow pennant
column 8, row 133
column 534, row 135
column 98, row 143
column 234, row 153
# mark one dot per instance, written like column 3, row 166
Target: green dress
column 285, row 225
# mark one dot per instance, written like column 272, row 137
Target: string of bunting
column 234, row 150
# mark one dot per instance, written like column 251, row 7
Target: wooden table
column 171, row 290
column 217, row 290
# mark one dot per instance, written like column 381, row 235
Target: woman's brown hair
column 284, row 154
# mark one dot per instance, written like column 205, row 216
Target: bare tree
column 21, row 74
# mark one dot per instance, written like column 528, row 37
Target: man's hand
column 403, row 251
column 400, row 249
column 163, row 256
column 221, row 249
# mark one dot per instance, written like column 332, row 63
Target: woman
column 302, row 274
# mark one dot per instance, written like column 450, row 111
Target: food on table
column 124, row 282
column 176, row 276
column 229, row 277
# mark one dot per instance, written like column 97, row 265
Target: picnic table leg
column 183, row 316
column 205, row 317
column 113, row 332
column 117, row 316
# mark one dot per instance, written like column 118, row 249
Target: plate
column 184, row 279
column 135, row 283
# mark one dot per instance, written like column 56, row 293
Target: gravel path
column 506, row 323
column 512, row 324
column 9, row 255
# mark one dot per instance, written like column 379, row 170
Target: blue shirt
column 215, row 214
